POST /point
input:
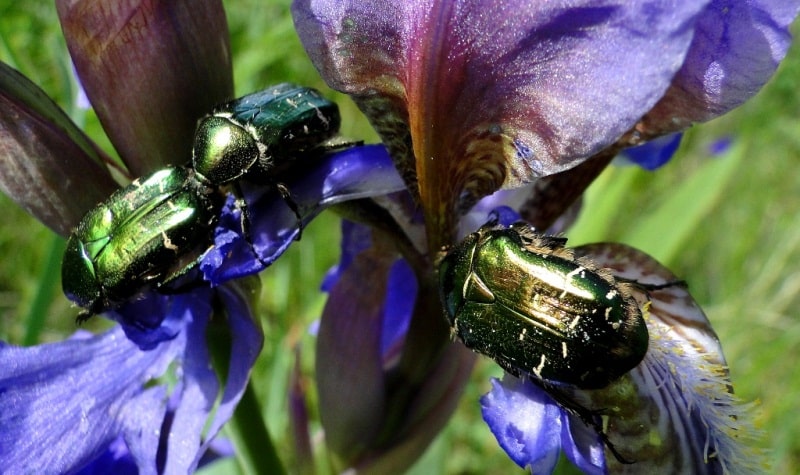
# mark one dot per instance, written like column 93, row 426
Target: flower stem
column 255, row 452
column 37, row 314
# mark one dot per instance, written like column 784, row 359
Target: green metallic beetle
column 157, row 228
column 261, row 132
column 525, row 301
column 142, row 236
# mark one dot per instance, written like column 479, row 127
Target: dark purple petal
column 64, row 403
column 361, row 336
column 496, row 95
column 47, row 165
column 349, row 366
column 299, row 418
column 655, row 153
column 354, row 173
column 736, row 49
column 150, row 69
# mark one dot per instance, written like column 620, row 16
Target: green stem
column 255, row 452
column 48, row 280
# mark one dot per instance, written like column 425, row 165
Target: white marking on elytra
column 568, row 277
column 564, row 349
column 574, row 322
column 538, row 370
column 522, row 335
column 168, row 242
column 608, row 312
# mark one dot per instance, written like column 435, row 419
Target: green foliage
column 728, row 225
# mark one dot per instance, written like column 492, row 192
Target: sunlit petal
column 495, row 96
column 736, row 49
column 65, row 402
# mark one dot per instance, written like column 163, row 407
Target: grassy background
column 730, row 225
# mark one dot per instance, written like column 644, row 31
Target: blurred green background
column 729, row 224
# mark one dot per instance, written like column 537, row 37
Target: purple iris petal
column 735, row 50
column 248, row 339
column 64, row 403
column 527, row 425
column 150, row 70
column 356, row 238
column 533, row 429
column 358, row 172
column 401, row 293
column 151, row 319
column 401, row 289
column 116, row 459
column 549, row 82
column 655, row 153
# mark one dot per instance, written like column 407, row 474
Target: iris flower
column 481, row 107
column 524, row 103
column 144, row 394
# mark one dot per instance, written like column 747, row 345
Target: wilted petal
column 47, row 165
column 496, row 96
column 150, row 69
column 64, row 403
column 736, row 49
column 675, row 412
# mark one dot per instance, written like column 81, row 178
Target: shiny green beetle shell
column 523, row 300
column 142, row 236
column 156, row 229
column 262, row 131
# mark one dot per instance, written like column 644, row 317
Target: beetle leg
column 287, row 197
column 649, row 287
column 83, row 317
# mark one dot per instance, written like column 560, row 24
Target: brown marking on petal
column 675, row 412
column 480, row 165
column 390, row 119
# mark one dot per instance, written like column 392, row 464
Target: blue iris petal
column 533, row 429
column 357, row 172
column 654, row 154
column 64, row 403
